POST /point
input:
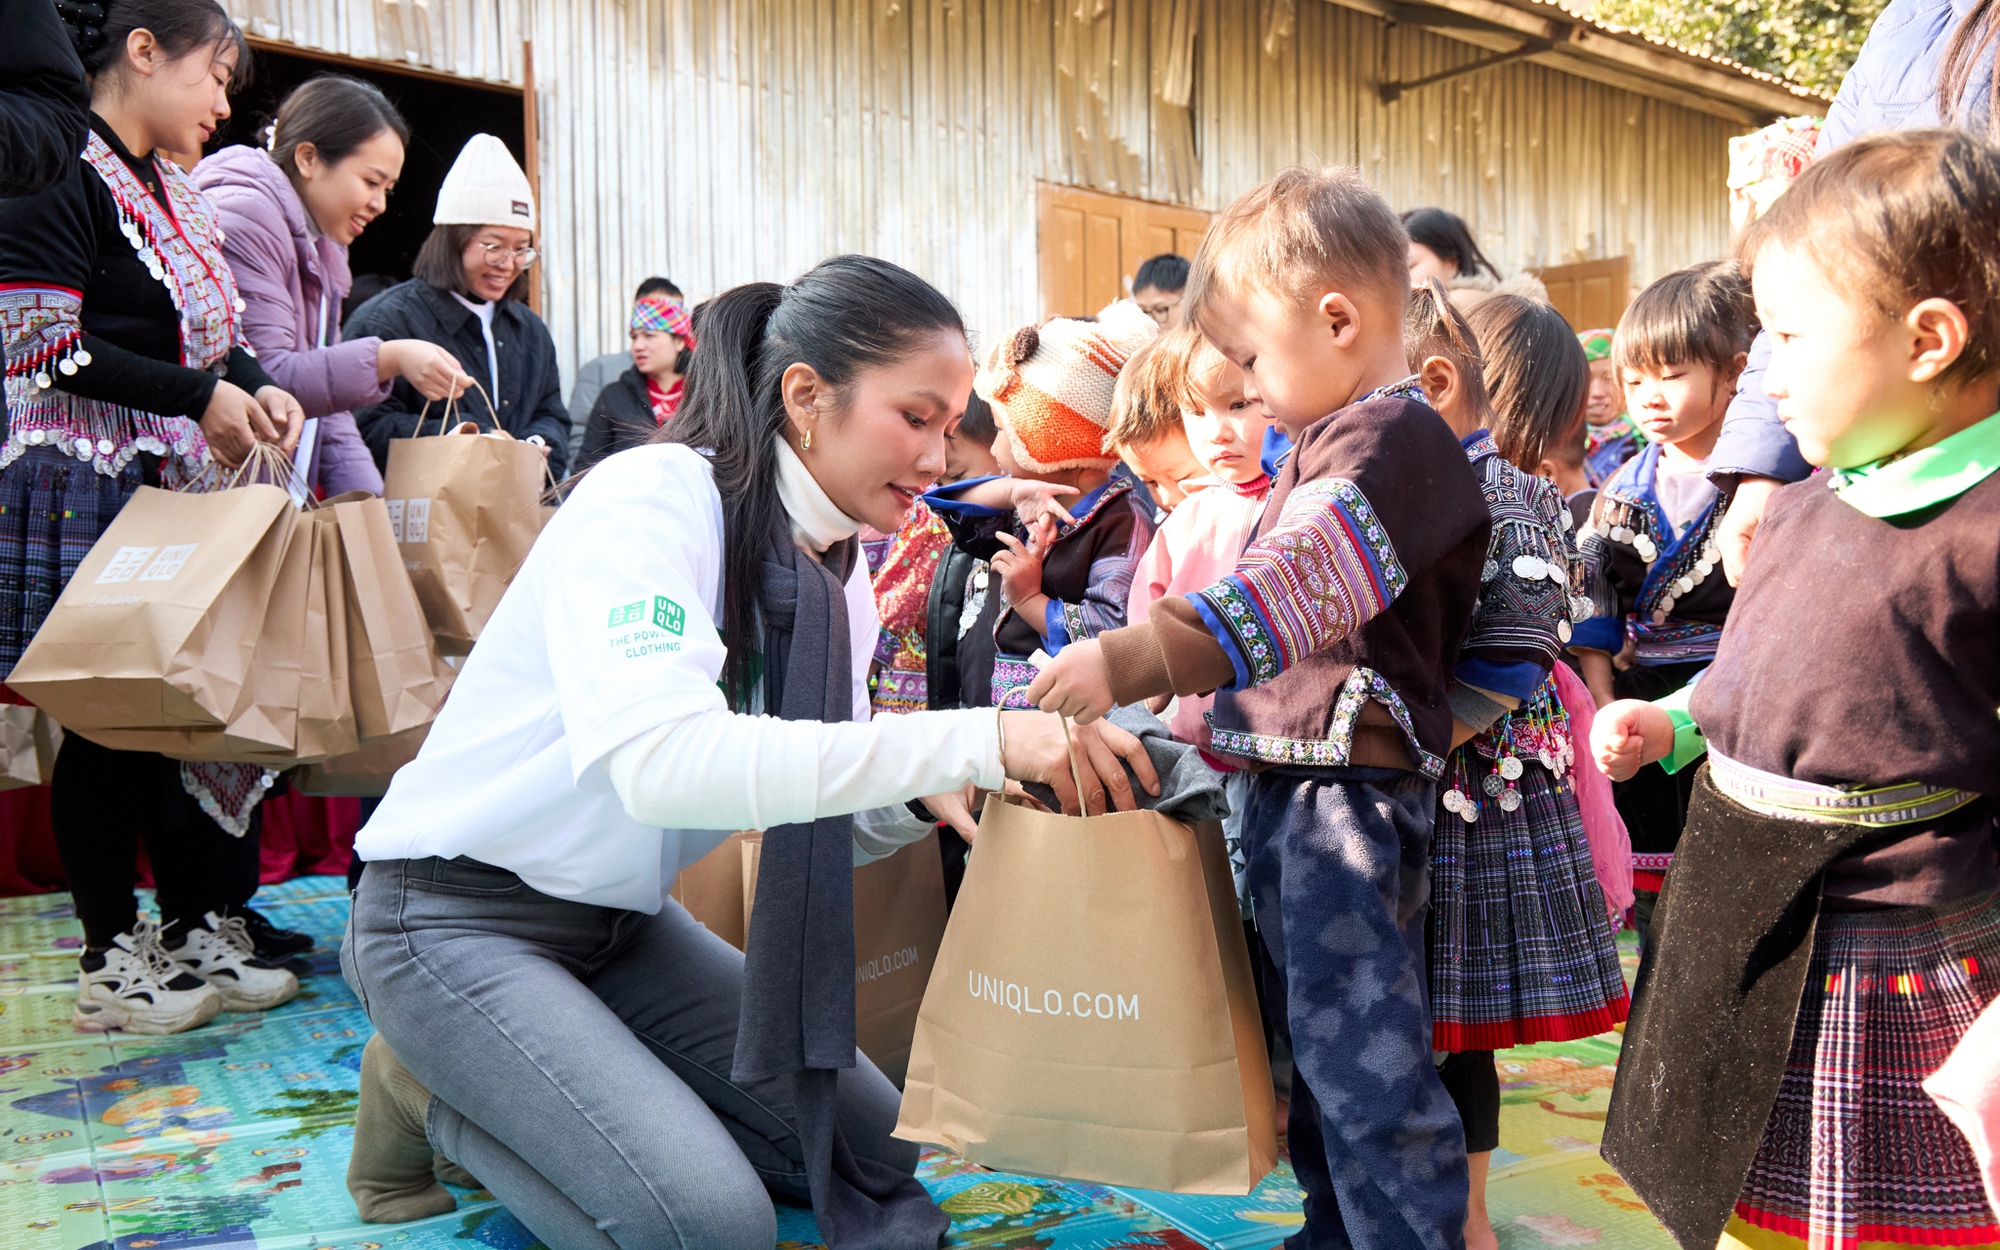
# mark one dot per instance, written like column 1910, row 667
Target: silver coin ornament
column 1530, row 567
column 1510, row 768
column 1510, row 801
column 1563, row 630
column 1469, row 813
column 105, row 447
column 1454, row 800
column 1493, row 785
column 81, row 357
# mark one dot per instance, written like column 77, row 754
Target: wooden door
column 1092, row 243
column 1590, row 294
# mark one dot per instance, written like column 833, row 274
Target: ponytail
column 845, row 314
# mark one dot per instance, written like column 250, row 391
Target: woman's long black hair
column 845, row 314
column 1447, row 235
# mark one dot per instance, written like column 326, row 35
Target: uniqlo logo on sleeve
column 416, row 521
column 125, row 564
column 668, row 615
column 395, row 507
column 168, row 562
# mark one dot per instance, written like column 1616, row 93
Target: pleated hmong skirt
column 53, row 508
column 1855, row 1153
column 1521, row 947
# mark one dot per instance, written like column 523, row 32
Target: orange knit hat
column 1053, row 383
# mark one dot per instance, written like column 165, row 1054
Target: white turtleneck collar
column 816, row 523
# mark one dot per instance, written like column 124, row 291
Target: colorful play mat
column 237, row 1135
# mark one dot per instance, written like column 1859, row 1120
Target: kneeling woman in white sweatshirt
column 683, row 654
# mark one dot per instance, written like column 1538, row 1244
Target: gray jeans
column 579, row 1056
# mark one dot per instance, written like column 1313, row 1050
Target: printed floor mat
column 237, row 1135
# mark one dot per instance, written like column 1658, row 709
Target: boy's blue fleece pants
column 1339, row 870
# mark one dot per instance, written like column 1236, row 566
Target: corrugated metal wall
column 724, row 140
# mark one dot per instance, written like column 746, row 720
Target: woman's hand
column 434, row 371
column 233, row 423
column 1074, row 683
column 1036, row 750
column 286, row 416
column 1628, row 734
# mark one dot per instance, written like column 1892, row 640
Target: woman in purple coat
column 288, row 216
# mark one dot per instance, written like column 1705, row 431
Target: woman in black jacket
column 471, row 279
column 634, row 407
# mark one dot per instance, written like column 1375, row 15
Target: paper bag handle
column 1075, row 773
column 263, row 458
column 451, row 410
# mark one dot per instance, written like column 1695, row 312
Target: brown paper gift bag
column 714, row 891
column 28, row 743
column 464, row 509
column 264, row 728
column 392, row 662
column 899, row 920
column 1091, row 1015
column 898, row 923
column 364, row 772
column 159, row 625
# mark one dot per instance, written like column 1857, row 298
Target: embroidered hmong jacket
column 1347, row 612
column 118, row 313
column 902, row 596
column 1666, row 589
column 1526, row 596
column 1086, row 573
column 1607, row 446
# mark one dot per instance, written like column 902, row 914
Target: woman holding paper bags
column 287, row 217
column 469, row 296
column 127, row 365
column 614, row 1073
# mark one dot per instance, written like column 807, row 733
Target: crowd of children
column 1401, row 642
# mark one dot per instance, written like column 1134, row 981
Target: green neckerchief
column 1938, row 473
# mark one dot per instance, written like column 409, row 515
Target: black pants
column 1474, row 1085
column 101, row 802
column 1654, row 803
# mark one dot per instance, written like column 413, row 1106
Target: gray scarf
column 798, row 970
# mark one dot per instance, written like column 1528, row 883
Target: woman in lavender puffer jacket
column 288, row 216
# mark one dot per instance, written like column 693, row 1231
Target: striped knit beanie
column 1053, row 384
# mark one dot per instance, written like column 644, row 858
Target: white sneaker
column 225, row 956
column 139, row 988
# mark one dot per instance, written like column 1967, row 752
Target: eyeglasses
column 498, row 255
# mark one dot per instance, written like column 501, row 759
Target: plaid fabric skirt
column 1521, row 948
column 1855, row 1153
column 53, row 508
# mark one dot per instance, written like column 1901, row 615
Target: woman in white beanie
column 467, row 297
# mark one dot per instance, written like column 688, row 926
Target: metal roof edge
column 1629, row 59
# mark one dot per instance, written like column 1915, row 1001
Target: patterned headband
column 1596, row 344
column 653, row 313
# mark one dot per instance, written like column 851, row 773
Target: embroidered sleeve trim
column 1325, row 570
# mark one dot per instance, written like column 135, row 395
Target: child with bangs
column 1521, row 948
column 1654, row 569
column 1832, row 926
column 1145, row 429
column 1331, row 644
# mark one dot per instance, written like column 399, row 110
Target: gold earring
column 806, row 442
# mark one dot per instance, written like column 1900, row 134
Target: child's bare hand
column 1627, row 734
column 1042, row 536
column 1020, row 571
column 955, row 809
column 1074, row 683
column 1033, row 500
